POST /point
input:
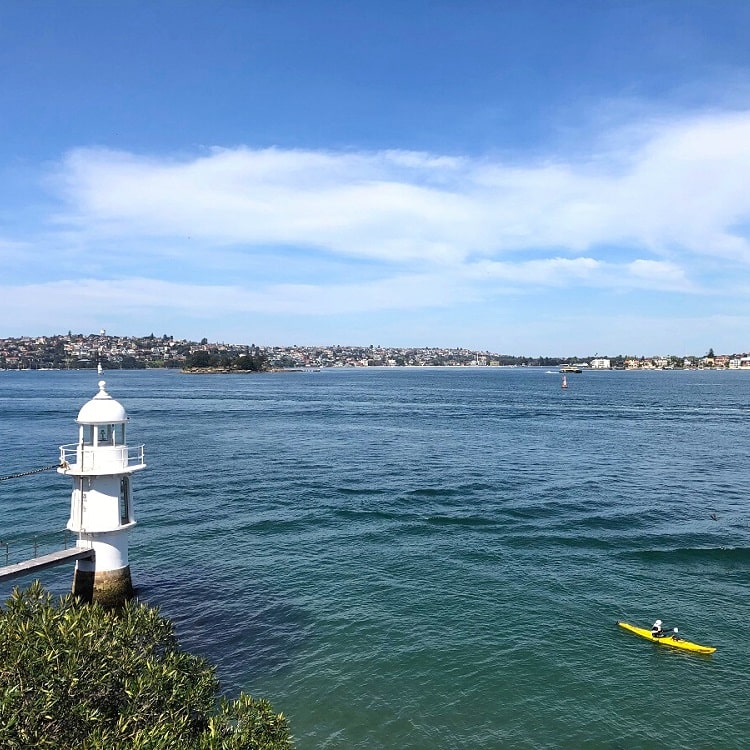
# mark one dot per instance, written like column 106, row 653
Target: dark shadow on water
column 247, row 635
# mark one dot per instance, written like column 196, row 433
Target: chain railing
column 29, row 473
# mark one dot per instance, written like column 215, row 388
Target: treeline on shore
column 254, row 361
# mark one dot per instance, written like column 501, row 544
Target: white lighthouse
column 101, row 505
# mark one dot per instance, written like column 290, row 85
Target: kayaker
column 656, row 630
column 675, row 637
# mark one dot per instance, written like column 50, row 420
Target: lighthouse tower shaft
column 101, row 465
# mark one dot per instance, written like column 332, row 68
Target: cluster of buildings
column 713, row 362
column 78, row 351
column 377, row 356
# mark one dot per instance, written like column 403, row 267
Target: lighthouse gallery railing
column 111, row 458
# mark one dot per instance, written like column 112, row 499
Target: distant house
column 601, row 364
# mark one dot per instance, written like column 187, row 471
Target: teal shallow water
column 433, row 558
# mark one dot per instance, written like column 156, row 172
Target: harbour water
column 431, row 558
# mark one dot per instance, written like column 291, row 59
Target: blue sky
column 539, row 177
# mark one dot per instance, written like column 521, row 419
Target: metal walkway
column 45, row 561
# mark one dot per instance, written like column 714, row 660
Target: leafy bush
column 78, row 675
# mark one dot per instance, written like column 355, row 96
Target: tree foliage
column 78, row 675
column 253, row 361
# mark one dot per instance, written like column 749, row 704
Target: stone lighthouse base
column 110, row 588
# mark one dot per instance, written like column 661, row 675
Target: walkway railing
column 32, row 553
column 33, row 545
column 44, row 561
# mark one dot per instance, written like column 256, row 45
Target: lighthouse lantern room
column 101, row 505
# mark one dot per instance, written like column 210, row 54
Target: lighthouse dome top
column 102, row 409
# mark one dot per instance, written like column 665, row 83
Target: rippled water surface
column 434, row 558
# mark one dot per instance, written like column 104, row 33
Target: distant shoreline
column 227, row 371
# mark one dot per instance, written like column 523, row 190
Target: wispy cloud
column 680, row 190
column 203, row 300
column 658, row 208
column 585, row 272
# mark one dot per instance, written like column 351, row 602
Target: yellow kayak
column 667, row 640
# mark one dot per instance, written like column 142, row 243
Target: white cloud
column 681, row 190
column 150, row 296
column 659, row 274
column 551, row 271
column 584, row 271
column 347, row 204
column 237, row 232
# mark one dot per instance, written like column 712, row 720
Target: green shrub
column 78, row 675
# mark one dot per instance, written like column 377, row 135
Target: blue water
column 433, row 558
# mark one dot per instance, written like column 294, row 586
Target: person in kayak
column 656, row 630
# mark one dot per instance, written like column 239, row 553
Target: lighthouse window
column 105, row 434
column 124, row 500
